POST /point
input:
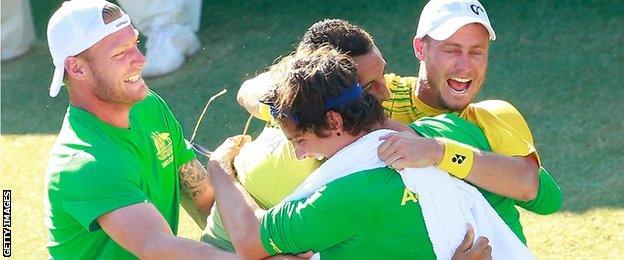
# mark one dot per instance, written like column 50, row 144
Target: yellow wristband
column 457, row 160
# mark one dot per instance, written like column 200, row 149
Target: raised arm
column 142, row 230
column 240, row 214
column 251, row 91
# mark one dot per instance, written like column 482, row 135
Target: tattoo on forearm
column 192, row 176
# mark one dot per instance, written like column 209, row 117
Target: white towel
column 447, row 203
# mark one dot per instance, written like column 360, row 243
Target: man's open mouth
column 459, row 85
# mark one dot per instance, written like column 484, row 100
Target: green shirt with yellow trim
column 96, row 168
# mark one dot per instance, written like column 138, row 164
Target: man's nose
column 463, row 64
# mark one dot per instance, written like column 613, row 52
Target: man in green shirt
column 366, row 214
column 120, row 165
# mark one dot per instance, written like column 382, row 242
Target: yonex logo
column 458, row 158
column 475, row 9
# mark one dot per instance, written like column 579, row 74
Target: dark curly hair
column 340, row 34
column 307, row 79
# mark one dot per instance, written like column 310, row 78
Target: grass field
column 559, row 62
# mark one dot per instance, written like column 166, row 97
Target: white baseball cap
column 75, row 27
column 442, row 18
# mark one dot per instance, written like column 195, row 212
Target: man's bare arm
column 141, row 229
column 196, row 190
column 240, row 214
column 515, row 177
column 252, row 90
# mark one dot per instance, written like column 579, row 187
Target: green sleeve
column 549, row 197
column 91, row 188
column 329, row 217
column 452, row 127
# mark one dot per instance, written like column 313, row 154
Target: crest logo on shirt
column 164, row 148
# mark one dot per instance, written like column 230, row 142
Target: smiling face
column 370, row 70
column 309, row 145
column 114, row 67
column 455, row 67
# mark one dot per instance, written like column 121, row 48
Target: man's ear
column 76, row 68
column 335, row 120
column 419, row 48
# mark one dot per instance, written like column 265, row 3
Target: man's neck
column 374, row 127
column 117, row 115
column 424, row 93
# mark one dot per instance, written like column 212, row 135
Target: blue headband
column 276, row 113
column 346, row 96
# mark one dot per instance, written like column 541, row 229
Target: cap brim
column 57, row 81
column 448, row 28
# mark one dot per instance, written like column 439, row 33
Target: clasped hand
column 408, row 150
column 227, row 151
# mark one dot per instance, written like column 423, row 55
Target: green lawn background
column 559, row 62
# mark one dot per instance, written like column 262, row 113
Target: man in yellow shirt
column 453, row 49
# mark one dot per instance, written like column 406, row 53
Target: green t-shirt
column 365, row 215
column 96, row 168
